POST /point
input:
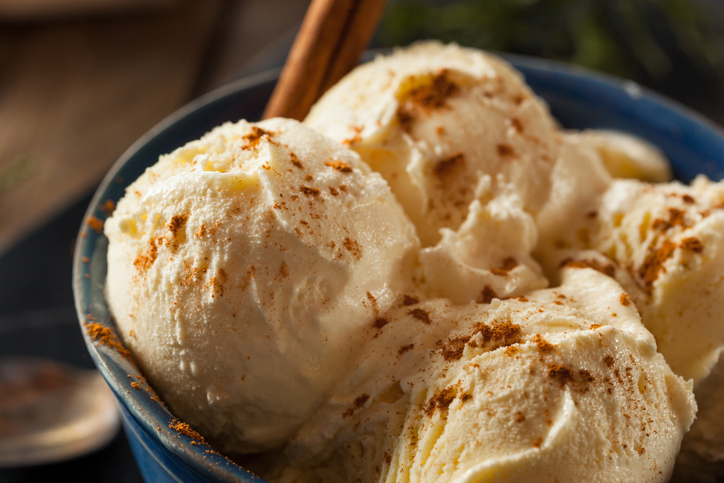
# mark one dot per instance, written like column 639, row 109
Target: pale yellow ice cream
column 245, row 268
column 563, row 384
column 627, row 156
column 464, row 145
column 380, row 313
column 669, row 240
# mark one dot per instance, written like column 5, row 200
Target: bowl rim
column 106, row 360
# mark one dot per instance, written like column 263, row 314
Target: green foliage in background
column 639, row 39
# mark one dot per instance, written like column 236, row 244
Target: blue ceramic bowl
column 577, row 98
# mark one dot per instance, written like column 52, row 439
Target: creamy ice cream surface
column 669, row 239
column 563, row 384
column 468, row 151
column 426, row 280
column 244, row 269
column 444, row 125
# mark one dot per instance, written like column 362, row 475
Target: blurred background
column 81, row 80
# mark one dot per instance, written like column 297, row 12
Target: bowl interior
column 577, row 98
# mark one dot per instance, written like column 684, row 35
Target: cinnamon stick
column 329, row 44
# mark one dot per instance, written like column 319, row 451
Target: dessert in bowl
column 578, row 100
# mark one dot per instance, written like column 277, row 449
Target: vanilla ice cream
column 563, row 384
column 452, row 129
column 373, row 305
column 245, row 268
column 627, row 156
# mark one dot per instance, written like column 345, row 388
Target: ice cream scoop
column 437, row 121
column 563, row 384
column 466, row 148
column 244, row 270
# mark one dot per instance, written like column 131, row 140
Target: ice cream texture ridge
column 427, row 280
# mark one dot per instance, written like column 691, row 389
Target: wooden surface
column 75, row 94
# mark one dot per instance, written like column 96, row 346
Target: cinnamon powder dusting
column 654, row 264
column 109, row 206
column 107, row 337
column 508, row 264
column 693, row 244
column 352, row 247
column 410, row 300
column 427, row 97
column 675, row 218
column 625, row 299
column 254, row 137
column 543, row 345
column 295, row 161
column 405, row 348
column 441, row 401
column 505, row 150
column 176, row 223
column 143, row 261
column 561, row 374
column 339, row 166
column 358, row 403
column 185, row 429
column 487, row 295
column 448, row 166
column 453, row 349
column 421, row 315
column 310, row 191
column 95, row 224
column 435, row 94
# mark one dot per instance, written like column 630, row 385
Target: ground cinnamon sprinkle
column 405, row 348
column 144, row 260
column 427, row 97
column 625, row 299
column 505, row 333
column 435, row 94
column 421, row 315
column 108, row 207
column 410, row 300
column 561, row 374
column 176, row 223
column 453, row 349
column 693, row 244
column 309, row 191
column 95, row 223
column 508, row 264
column 185, row 429
column 441, row 400
column 339, row 166
column 675, row 218
column 380, row 322
column 487, row 295
column 107, row 337
column 505, row 150
column 358, row 403
column 254, row 137
column 353, row 247
column 543, row 345
column 654, row 263
column 295, row 161
column 447, row 166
